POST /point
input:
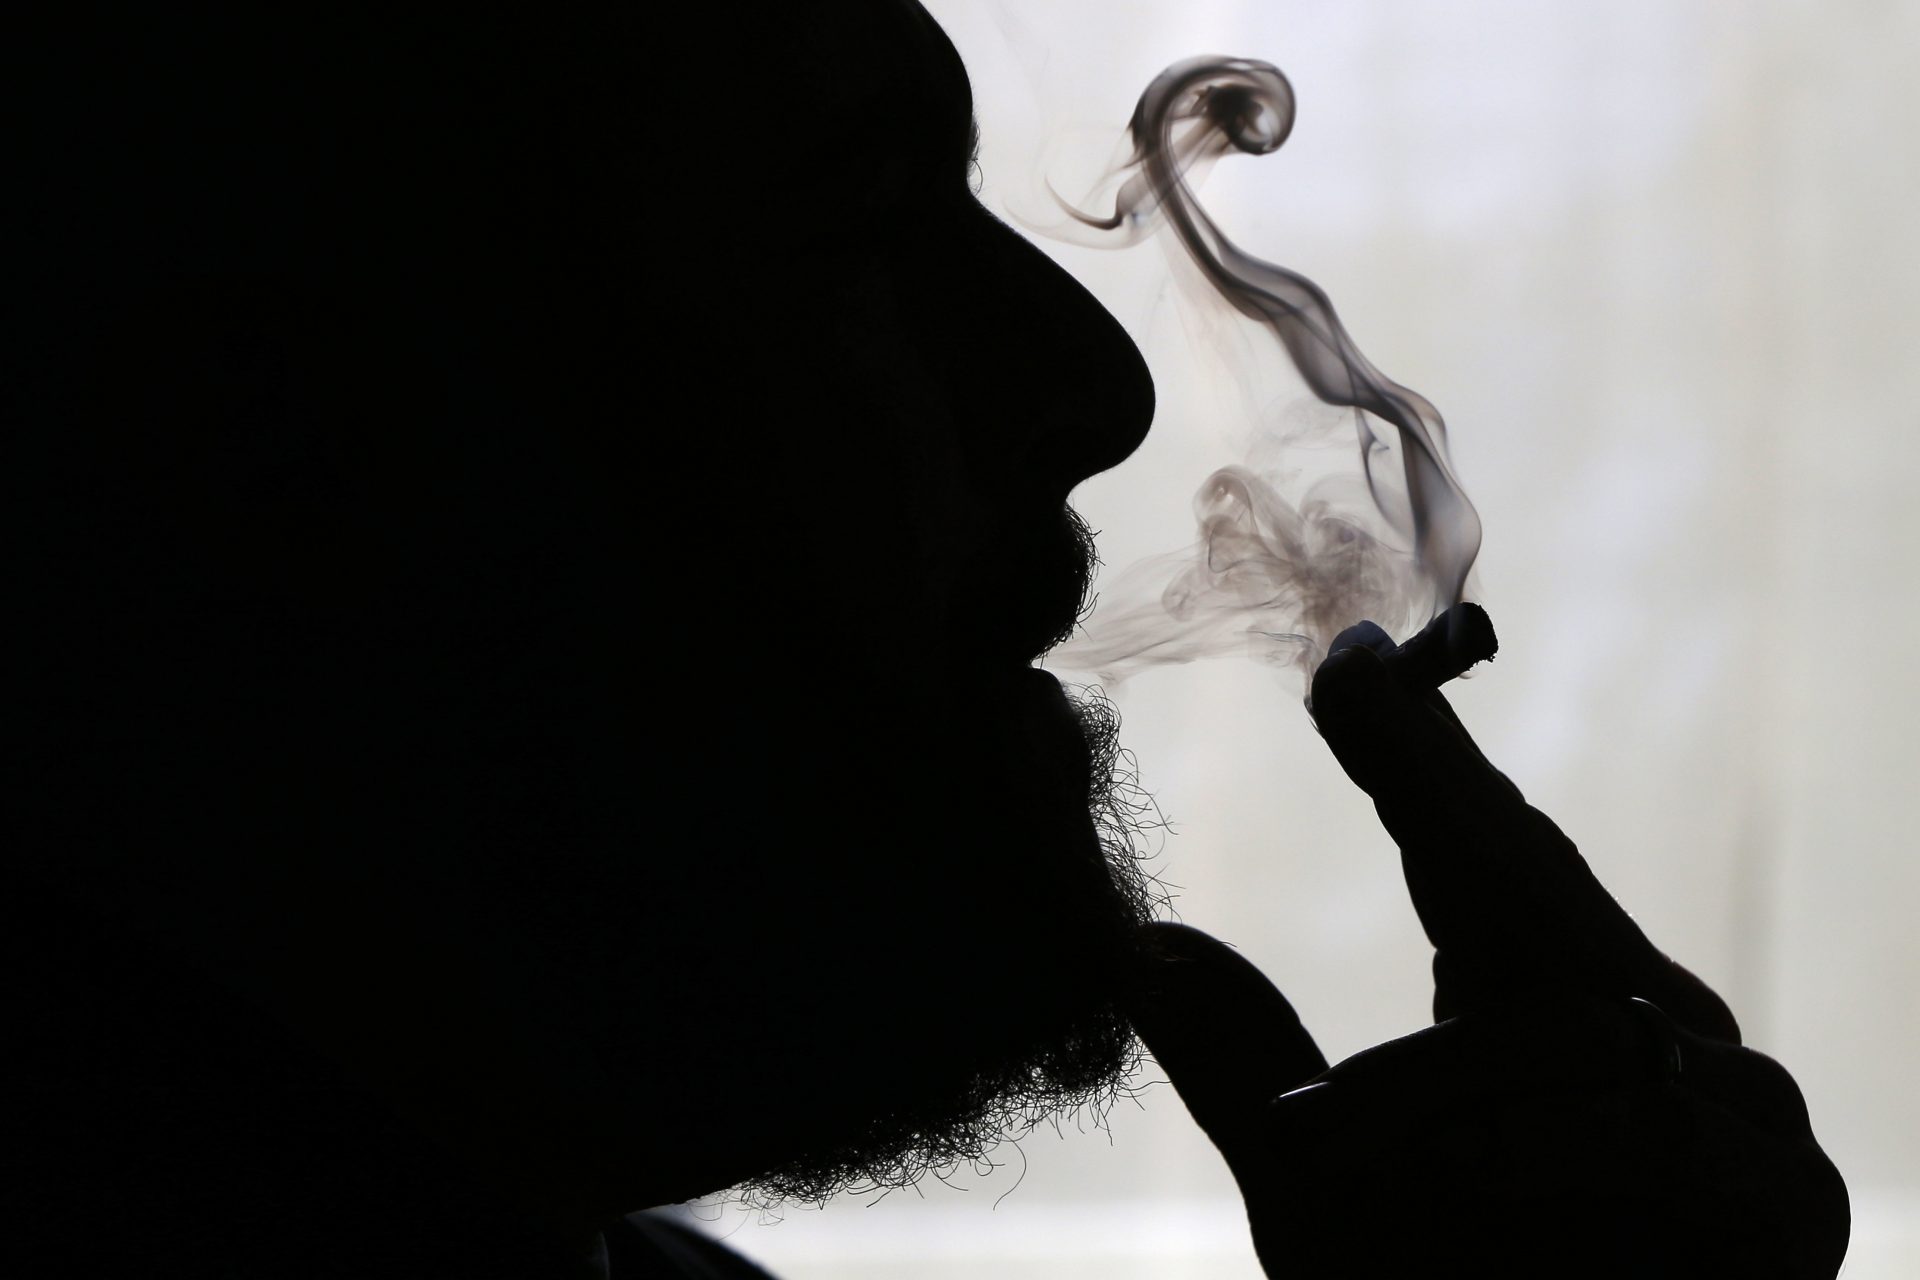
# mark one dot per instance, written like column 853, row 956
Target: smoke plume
column 1278, row 568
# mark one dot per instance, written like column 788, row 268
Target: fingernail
column 1310, row 1111
column 1367, row 635
column 1662, row 1042
column 1349, row 683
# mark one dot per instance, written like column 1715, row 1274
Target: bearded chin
column 1078, row 1053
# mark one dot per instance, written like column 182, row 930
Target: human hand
column 1512, row 909
column 1584, row 1106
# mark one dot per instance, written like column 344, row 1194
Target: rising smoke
column 1271, row 575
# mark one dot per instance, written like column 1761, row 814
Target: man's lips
column 1031, row 586
column 1045, row 690
column 1053, row 729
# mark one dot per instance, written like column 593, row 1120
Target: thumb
column 1227, row 1039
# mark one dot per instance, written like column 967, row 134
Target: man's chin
column 1078, row 1078
column 1040, row 1040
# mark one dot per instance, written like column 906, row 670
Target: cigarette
column 1445, row 647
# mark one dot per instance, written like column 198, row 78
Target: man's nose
column 1106, row 414
column 1062, row 377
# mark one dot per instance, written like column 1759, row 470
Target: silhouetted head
column 536, row 535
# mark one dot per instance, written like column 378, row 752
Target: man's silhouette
column 529, row 538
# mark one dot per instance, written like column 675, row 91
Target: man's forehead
column 878, row 56
column 831, row 119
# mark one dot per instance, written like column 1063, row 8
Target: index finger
column 1504, row 895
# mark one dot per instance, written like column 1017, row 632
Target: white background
column 1657, row 264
